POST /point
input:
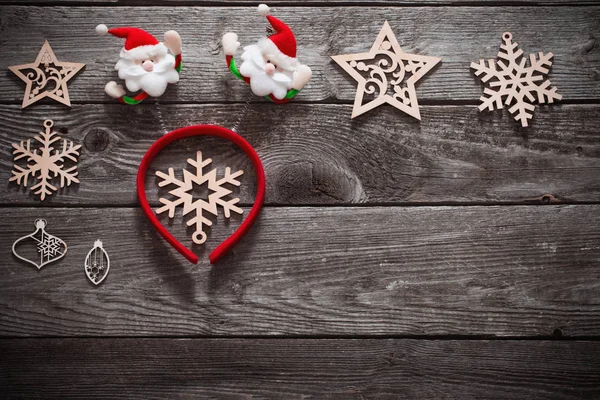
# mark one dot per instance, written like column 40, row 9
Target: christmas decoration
column 186, row 200
column 270, row 66
column 46, row 77
column 144, row 63
column 515, row 82
column 46, row 162
column 371, row 71
column 202, row 130
column 97, row 263
column 50, row 248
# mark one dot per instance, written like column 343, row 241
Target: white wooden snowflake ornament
column 185, row 199
column 46, row 162
column 515, row 83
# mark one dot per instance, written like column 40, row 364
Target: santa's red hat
column 139, row 44
column 282, row 43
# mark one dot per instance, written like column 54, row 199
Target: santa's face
column 150, row 72
column 267, row 76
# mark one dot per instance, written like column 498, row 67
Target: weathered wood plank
column 459, row 35
column 502, row 271
column 296, row 3
column 301, row 368
column 456, row 155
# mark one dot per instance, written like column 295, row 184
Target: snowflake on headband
column 185, row 199
column 514, row 82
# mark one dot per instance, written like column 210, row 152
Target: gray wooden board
column 500, row 271
column 296, row 3
column 335, row 274
column 459, row 35
column 302, row 368
column 455, row 155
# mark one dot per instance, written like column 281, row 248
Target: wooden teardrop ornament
column 97, row 263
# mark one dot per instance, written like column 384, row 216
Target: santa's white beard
column 154, row 83
column 261, row 83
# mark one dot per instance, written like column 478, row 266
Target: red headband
column 202, row 130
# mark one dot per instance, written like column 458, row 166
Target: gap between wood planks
column 425, row 102
column 556, row 336
column 541, row 202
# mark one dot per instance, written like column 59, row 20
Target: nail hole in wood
column 579, row 150
column 96, row 140
column 546, row 200
column 557, row 333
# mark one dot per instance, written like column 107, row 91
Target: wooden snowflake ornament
column 514, row 82
column 184, row 198
column 371, row 71
column 46, row 162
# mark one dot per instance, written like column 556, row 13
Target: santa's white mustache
column 155, row 82
column 137, row 69
column 280, row 77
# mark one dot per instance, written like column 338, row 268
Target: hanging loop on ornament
column 49, row 247
column 48, row 124
column 97, row 263
column 199, row 237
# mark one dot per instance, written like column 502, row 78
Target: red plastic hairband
column 202, row 130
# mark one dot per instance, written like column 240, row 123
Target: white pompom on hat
column 101, row 29
column 263, row 10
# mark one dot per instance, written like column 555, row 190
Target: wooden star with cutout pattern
column 371, row 70
column 46, row 77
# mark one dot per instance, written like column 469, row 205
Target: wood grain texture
column 455, row 155
column 297, row 369
column 315, row 302
column 297, row 3
column 500, row 271
column 459, row 35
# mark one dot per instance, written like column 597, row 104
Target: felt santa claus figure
column 145, row 63
column 270, row 66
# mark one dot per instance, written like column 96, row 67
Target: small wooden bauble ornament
column 97, row 263
column 49, row 247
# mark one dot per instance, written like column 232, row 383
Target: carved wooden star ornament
column 46, row 77
column 371, row 71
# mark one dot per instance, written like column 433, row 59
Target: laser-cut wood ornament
column 46, row 77
column 186, row 199
column 97, row 263
column 515, row 82
column 386, row 57
column 46, row 162
column 49, row 247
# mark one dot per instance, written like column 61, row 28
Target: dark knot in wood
column 96, row 140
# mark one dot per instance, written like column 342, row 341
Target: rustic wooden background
column 457, row 257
